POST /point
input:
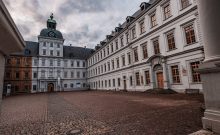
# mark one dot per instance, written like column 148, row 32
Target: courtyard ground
column 96, row 112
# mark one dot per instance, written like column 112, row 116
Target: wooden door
column 50, row 87
column 160, row 83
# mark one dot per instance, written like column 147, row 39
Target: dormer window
column 129, row 19
column 144, row 6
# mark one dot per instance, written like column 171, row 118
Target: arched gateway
column 50, row 87
column 159, row 71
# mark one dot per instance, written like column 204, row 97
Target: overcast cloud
column 82, row 22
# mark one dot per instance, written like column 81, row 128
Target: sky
column 82, row 22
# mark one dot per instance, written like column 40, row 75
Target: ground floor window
column 34, row 87
column 65, row 85
column 147, row 77
column 175, row 74
column 195, row 75
column 71, row 85
column 138, row 83
column 113, row 82
column 119, row 82
column 131, row 81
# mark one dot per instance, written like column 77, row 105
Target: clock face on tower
column 51, row 34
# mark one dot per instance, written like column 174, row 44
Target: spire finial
column 51, row 16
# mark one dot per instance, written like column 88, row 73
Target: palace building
column 158, row 47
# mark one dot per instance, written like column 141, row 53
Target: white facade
column 182, row 57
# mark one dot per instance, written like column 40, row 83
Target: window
column 65, row 63
column 65, row 74
column 175, row 74
column 35, row 62
column 131, row 81
column 133, row 31
column 104, row 52
column 113, row 82
column 116, row 44
column 113, row 64
column 109, row 66
column 190, row 34
column 105, row 67
column 17, row 75
column 84, row 64
column 138, row 82
column 108, row 50
column 127, row 38
column 8, row 75
column 58, row 45
column 34, row 87
column 9, row 61
column 119, row 82
column 109, row 83
column 185, row 3
column 58, row 63
column 147, row 77
column 51, row 44
column 84, row 74
column 58, row 73
column 78, row 74
column 142, row 27
column 43, row 62
column 65, row 85
column 153, row 20
column 44, row 44
column 112, row 48
column 171, row 41
column 195, row 75
column 117, row 60
column 106, row 83
column 167, row 12
column 35, row 75
column 42, row 73
column 18, row 61
column 44, row 52
column 156, row 46
column 78, row 64
column 144, row 49
column 51, row 63
column 58, row 53
column 122, row 41
column 129, row 58
column 72, row 74
column 123, row 60
column 135, row 54
column 72, row 63
column 51, row 52
column 71, row 85
column 51, row 73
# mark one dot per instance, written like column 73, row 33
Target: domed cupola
column 50, row 31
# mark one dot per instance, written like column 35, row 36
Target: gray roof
column 55, row 33
column 31, row 49
column 73, row 52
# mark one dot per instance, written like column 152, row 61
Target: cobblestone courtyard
column 101, row 113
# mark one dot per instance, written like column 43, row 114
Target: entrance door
column 50, row 87
column 160, row 83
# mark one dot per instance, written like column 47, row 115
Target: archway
column 50, row 87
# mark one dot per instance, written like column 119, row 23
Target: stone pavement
column 94, row 113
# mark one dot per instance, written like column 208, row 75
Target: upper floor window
column 167, row 11
column 122, row 41
column 51, row 52
column 65, row 63
column 65, row 74
column 18, row 61
column 153, row 20
column 117, row 62
column 35, row 62
column 78, row 64
column 171, row 41
column 51, row 62
column 17, row 75
column 136, row 54
column 175, row 74
column 44, row 51
column 123, row 60
column 78, row 74
column 144, row 49
column 104, row 52
column 116, row 44
column 43, row 62
column 129, row 58
column 51, row 44
column 58, row 45
column 185, row 3
column 72, row 63
column 58, row 63
column 108, row 50
column 44, row 44
column 156, row 46
column 195, row 75
column 113, row 64
column 142, row 27
column 58, row 53
column 133, row 32
column 109, row 68
column 190, row 34
column 112, row 48
column 127, row 38
column 84, row 64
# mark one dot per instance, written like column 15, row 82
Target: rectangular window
column 113, row 64
column 123, row 60
column 108, row 50
column 72, row 63
column 118, row 64
column 142, row 27
column 113, row 82
column 51, row 63
column 35, row 75
column 144, row 49
column 167, row 12
column 127, row 38
column 153, row 20
column 42, row 73
column 156, row 46
column 58, row 53
column 185, row 3
column 65, row 63
column 8, row 75
column 43, row 62
column 35, row 62
column 136, row 54
column 34, row 87
column 44, row 44
column 72, row 74
column 78, row 64
column 129, row 58
column 78, row 74
column 133, row 31
column 122, row 41
column 51, row 44
column 58, row 45
column 109, row 67
column 138, row 82
column 104, row 52
column 105, row 67
column 112, row 48
column 51, row 52
column 65, row 85
column 147, row 77
column 195, row 75
column 84, row 64
column 58, row 63
column 175, row 74
column 190, row 34
column 84, row 74
column 171, row 41
column 18, row 61
column 17, row 75
column 71, row 85
column 44, row 52
column 109, row 83
column 119, row 82
column 65, row 74
column 116, row 44
column 131, row 81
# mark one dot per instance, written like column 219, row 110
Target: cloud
column 82, row 22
